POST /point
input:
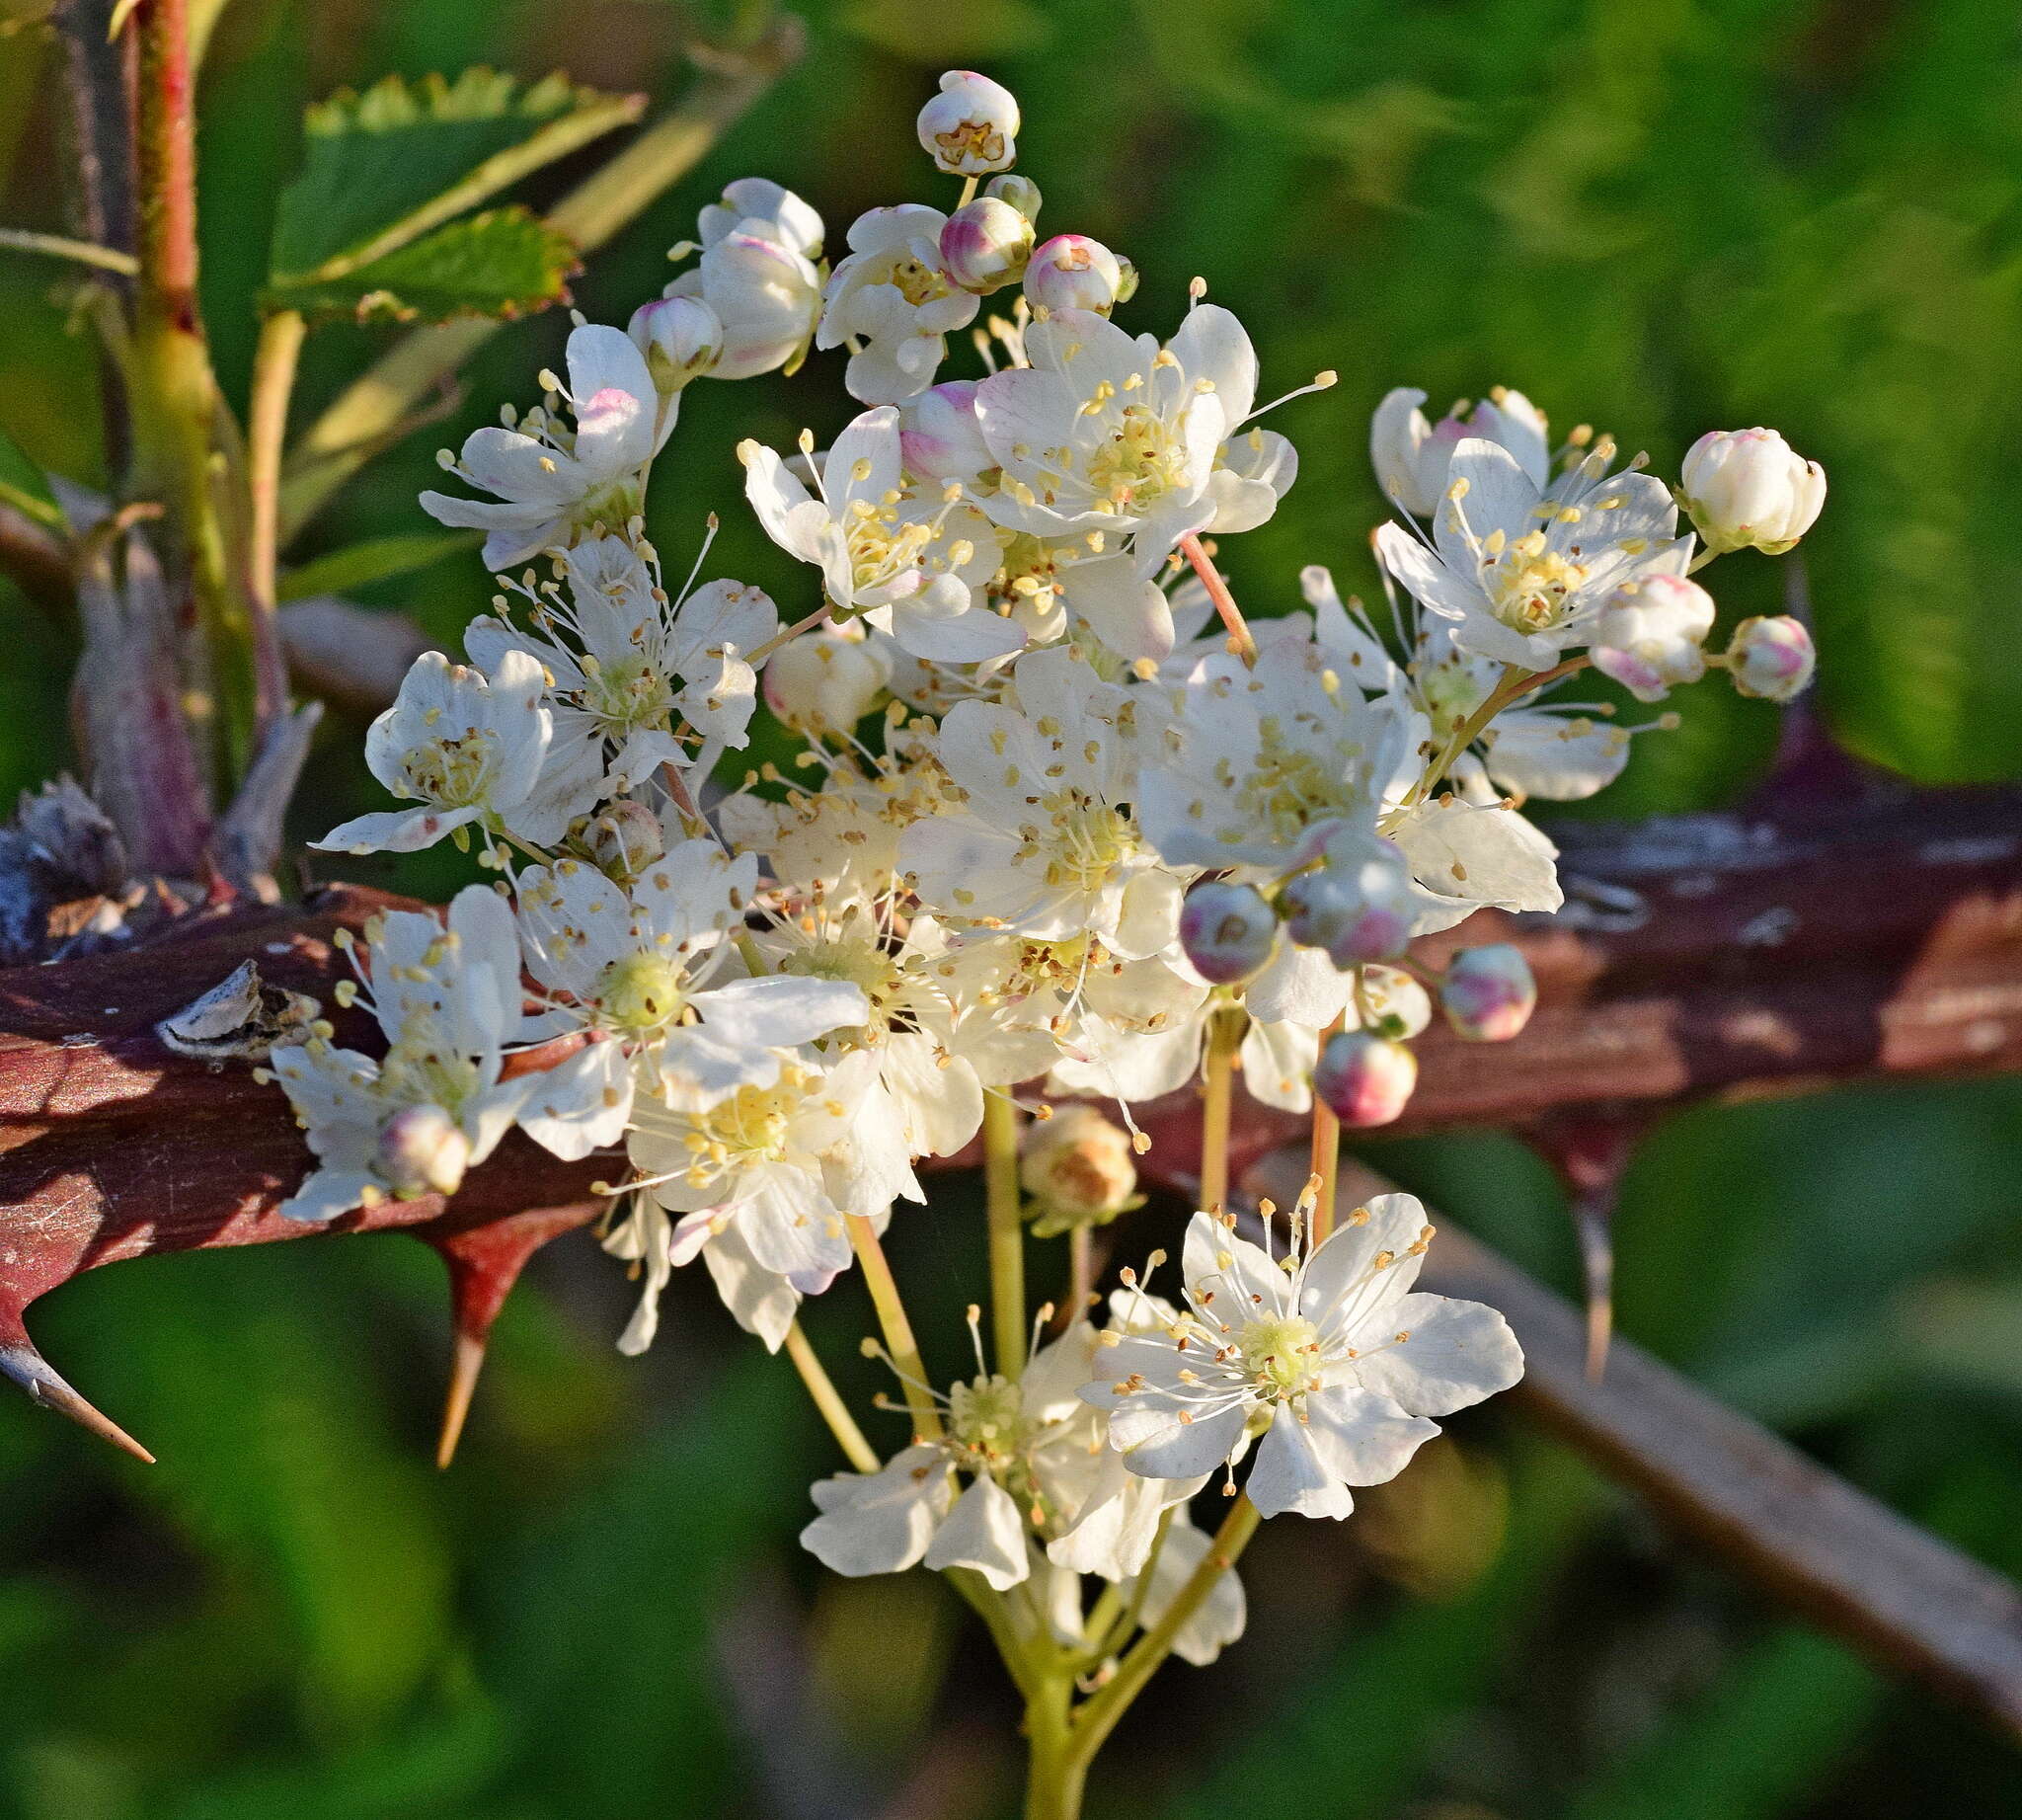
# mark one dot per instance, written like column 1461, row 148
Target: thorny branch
column 1728, row 955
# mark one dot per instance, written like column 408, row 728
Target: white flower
column 1464, row 856
column 624, row 662
column 1259, row 765
column 448, row 1000
column 910, row 567
column 784, row 1164
column 970, row 127
column 1649, row 635
column 681, row 339
column 1747, row 486
column 551, row 482
column 1033, row 1457
column 1044, row 844
column 757, row 275
column 468, row 750
column 636, row 973
column 1335, row 1360
column 893, row 295
column 1522, row 570
column 1411, row 456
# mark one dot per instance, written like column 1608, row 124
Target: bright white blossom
column 970, row 127
column 446, row 998
column 759, row 277
column 553, row 480
column 893, row 295
column 908, row 565
column 1332, row 1356
column 1411, row 456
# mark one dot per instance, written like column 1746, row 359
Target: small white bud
column 680, row 338
column 826, row 679
column 985, row 245
column 1071, row 271
column 1078, row 1169
column 1020, row 192
column 1649, row 634
column 422, row 1151
column 625, row 838
column 1772, row 657
column 1489, row 992
column 970, row 127
column 940, row 437
column 1228, row 930
column 1365, row 1079
column 1747, row 486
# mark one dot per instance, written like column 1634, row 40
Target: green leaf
column 503, row 263
column 377, row 559
column 386, row 167
column 25, row 487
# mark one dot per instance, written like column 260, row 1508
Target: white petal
column 1457, row 1354
column 984, row 1530
column 879, row 1522
column 1361, row 1436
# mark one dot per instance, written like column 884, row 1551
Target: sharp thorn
column 28, row 1369
column 466, row 1362
column 1598, row 1262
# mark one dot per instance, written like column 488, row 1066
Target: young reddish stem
column 1218, row 590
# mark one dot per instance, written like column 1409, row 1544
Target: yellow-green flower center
column 641, row 993
column 1281, row 1353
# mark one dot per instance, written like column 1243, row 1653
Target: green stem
column 176, row 407
column 828, row 1401
column 1098, row 1714
column 1007, row 1231
column 1515, row 684
column 1225, row 1038
column 60, row 246
column 267, row 424
column 1055, row 1778
column 896, row 1328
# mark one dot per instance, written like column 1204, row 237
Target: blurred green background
column 1654, row 216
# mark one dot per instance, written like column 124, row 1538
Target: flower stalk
column 1006, row 1232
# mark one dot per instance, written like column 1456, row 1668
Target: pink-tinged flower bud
column 1078, row 1169
column 1071, row 271
column 680, row 338
column 985, row 245
column 1488, row 993
column 1356, row 905
column 826, row 679
column 422, row 1151
column 1365, row 1079
column 1772, row 658
column 1747, row 486
column 971, row 129
column 939, row 436
column 1020, row 192
column 1227, row 931
column 624, row 838
column 1649, row 634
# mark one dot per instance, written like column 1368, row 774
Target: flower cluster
column 1064, row 822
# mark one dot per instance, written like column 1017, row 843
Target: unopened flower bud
column 1488, row 993
column 826, row 679
column 1228, row 930
column 971, row 129
column 1772, row 657
column 939, row 436
column 680, row 338
column 1356, row 905
column 422, row 1151
column 1077, row 1168
column 1071, row 271
column 985, row 245
column 1649, row 635
column 1365, row 1079
column 1020, row 192
column 625, row 838
column 1747, row 486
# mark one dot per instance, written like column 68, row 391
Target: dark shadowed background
column 1654, row 215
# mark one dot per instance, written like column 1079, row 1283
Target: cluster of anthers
column 1067, row 821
